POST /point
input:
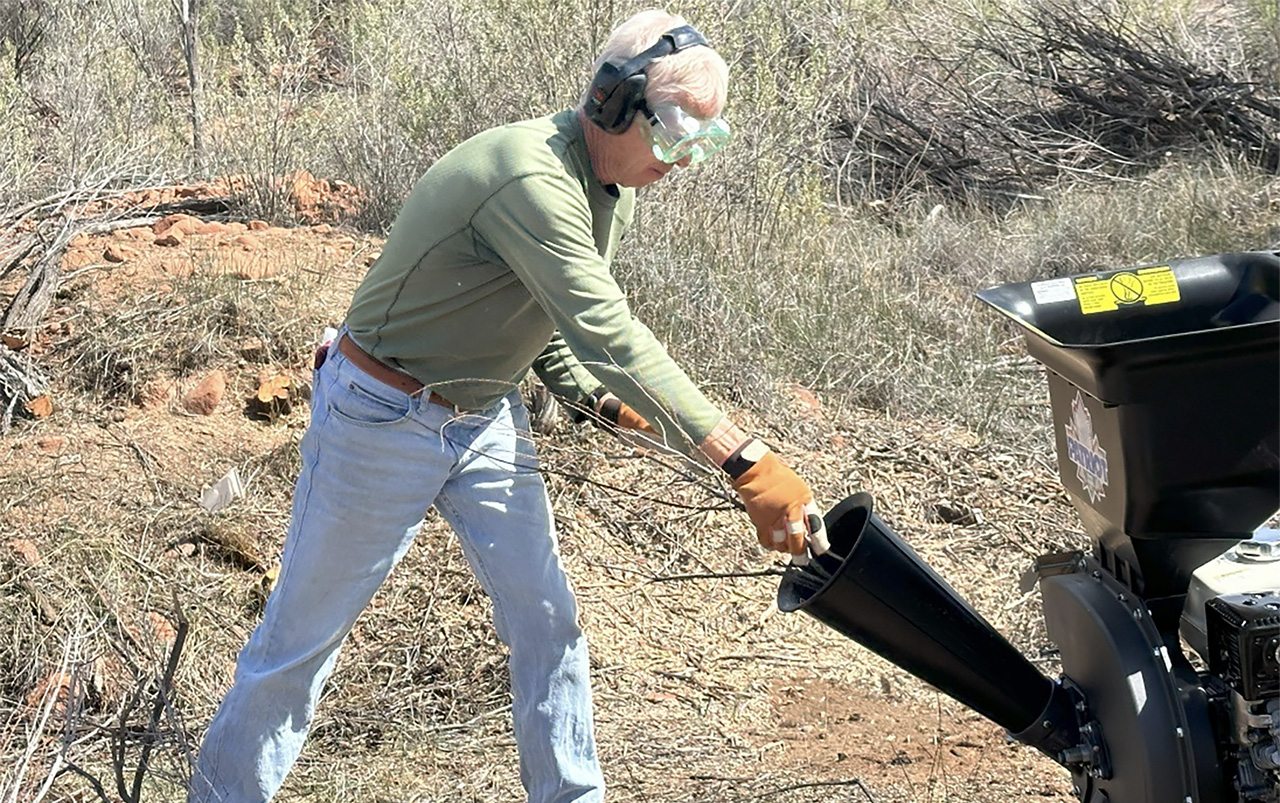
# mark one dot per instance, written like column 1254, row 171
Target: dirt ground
column 705, row 691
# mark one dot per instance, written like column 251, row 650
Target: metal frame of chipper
column 1164, row 382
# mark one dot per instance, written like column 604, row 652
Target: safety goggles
column 675, row 134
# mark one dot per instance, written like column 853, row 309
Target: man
column 498, row 262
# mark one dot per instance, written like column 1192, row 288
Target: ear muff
column 617, row 91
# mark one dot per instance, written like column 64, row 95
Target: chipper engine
column 1164, row 382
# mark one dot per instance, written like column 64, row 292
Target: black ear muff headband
column 617, row 91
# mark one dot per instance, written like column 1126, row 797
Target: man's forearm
column 725, row 439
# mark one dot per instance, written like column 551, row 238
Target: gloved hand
column 778, row 502
column 612, row 409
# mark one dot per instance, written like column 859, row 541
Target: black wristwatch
column 741, row 460
column 598, row 405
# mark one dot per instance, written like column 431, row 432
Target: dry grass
column 766, row 270
column 691, row 675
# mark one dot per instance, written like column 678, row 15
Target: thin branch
column 814, row 785
column 162, row 701
column 670, row 578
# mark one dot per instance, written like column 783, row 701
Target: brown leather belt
column 385, row 374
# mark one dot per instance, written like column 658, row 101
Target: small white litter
column 223, row 492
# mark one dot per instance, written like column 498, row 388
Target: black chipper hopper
column 1163, row 382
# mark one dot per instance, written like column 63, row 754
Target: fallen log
column 29, row 305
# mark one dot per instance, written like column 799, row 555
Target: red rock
column 58, row 686
column 26, row 550
column 204, row 397
column 306, row 192
column 323, row 228
column 248, row 242
column 258, row 225
column 171, row 237
column 187, row 224
column 114, row 252
column 40, row 407
column 53, row 444
column 157, row 392
column 165, row 223
column 806, row 401
column 161, row 627
column 79, row 241
column 186, row 549
column 76, row 258
column 245, row 265
column 177, row 266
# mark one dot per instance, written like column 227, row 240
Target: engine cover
column 1244, row 642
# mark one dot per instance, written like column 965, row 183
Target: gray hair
column 696, row 78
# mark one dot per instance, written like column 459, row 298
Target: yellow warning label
column 1161, row 285
column 1147, row 286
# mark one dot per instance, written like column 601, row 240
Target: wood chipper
column 1164, row 382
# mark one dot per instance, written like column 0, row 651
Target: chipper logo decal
column 1084, row 451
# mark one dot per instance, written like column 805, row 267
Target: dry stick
column 23, row 249
column 627, row 492
column 44, row 714
column 774, row 572
column 814, row 785
column 98, row 789
column 55, row 201
column 19, row 383
column 588, row 481
column 188, row 13
column 29, row 305
column 43, row 604
column 118, row 742
column 162, row 700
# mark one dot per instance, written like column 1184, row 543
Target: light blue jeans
column 373, row 460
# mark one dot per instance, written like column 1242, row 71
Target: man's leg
column 497, row 503
column 372, row 462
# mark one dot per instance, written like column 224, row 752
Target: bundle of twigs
column 1060, row 90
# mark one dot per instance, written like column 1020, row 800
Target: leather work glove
column 778, row 502
column 612, row 409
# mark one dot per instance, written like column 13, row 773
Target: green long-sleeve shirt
column 498, row 262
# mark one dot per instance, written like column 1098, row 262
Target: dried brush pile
column 1049, row 92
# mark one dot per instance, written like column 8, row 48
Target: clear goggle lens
column 676, row 135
